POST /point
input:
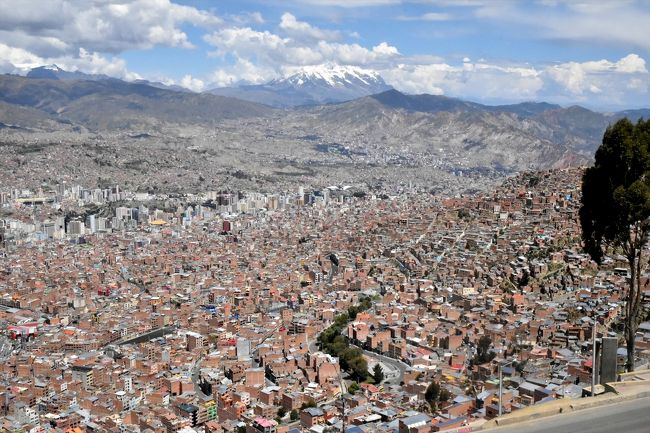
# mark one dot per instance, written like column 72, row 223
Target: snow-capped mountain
column 311, row 85
column 53, row 72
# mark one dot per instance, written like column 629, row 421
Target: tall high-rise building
column 91, row 223
column 75, row 228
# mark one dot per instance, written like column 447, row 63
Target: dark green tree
column 444, row 395
column 293, row 415
column 378, row 374
column 281, row 412
column 483, row 352
column 354, row 387
column 616, row 207
column 436, row 394
column 432, row 393
column 358, row 368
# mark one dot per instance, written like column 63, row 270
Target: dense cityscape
column 299, row 311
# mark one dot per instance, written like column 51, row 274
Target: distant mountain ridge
column 314, row 85
column 54, row 72
column 104, row 104
column 386, row 128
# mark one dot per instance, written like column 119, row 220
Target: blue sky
column 589, row 52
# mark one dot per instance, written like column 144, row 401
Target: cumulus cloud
column 58, row 27
column 301, row 30
column 273, row 51
column 17, row 58
column 593, row 76
column 248, row 18
column 264, row 55
column 475, row 81
column 192, row 83
column 242, row 71
column 19, row 61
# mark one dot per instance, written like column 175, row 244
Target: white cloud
column 272, row 51
column 474, row 81
column 385, row 50
column 192, row 83
column 578, row 78
column 263, row 55
column 429, row 16
column 242, row 71
column 20, row 61
column 615, row 23
column 351, row 3
column 301, row 30
column 248, row 18
column 18, row 58
column 58, row 27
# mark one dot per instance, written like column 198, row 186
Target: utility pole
column 501, row 365
column 500, row 387
column 342, row 401
column 593, row 360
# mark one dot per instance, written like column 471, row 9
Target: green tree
column 615, row 210
column 281, row 412
column 358, row 368
column 354, row 387
column 483, row 352
column 444, row 395
column 309, row 403
column 293, row 415
column 432, row 392
column 378, row 374
column 436, row 394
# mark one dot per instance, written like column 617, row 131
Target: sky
column 587, row 52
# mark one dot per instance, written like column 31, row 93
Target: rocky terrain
column 151, row 138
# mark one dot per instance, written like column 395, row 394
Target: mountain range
column 105, row 104
column 388, row 129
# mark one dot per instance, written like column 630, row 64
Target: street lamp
column 501, row 365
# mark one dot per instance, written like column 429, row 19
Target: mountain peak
column 312, row 85
column 333, row 75
column 53, row 67
column 54, row 72
column 51, row 72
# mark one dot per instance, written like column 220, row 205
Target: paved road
column 147, row 336
column 195, row 372
column 625, row 417
column 397, row 366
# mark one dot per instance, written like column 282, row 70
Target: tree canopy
column 378, row 374
column 616, row 190
column 436, row 394
column 483, row 352
column 615, row 209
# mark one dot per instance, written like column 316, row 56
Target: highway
column 624, row 417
